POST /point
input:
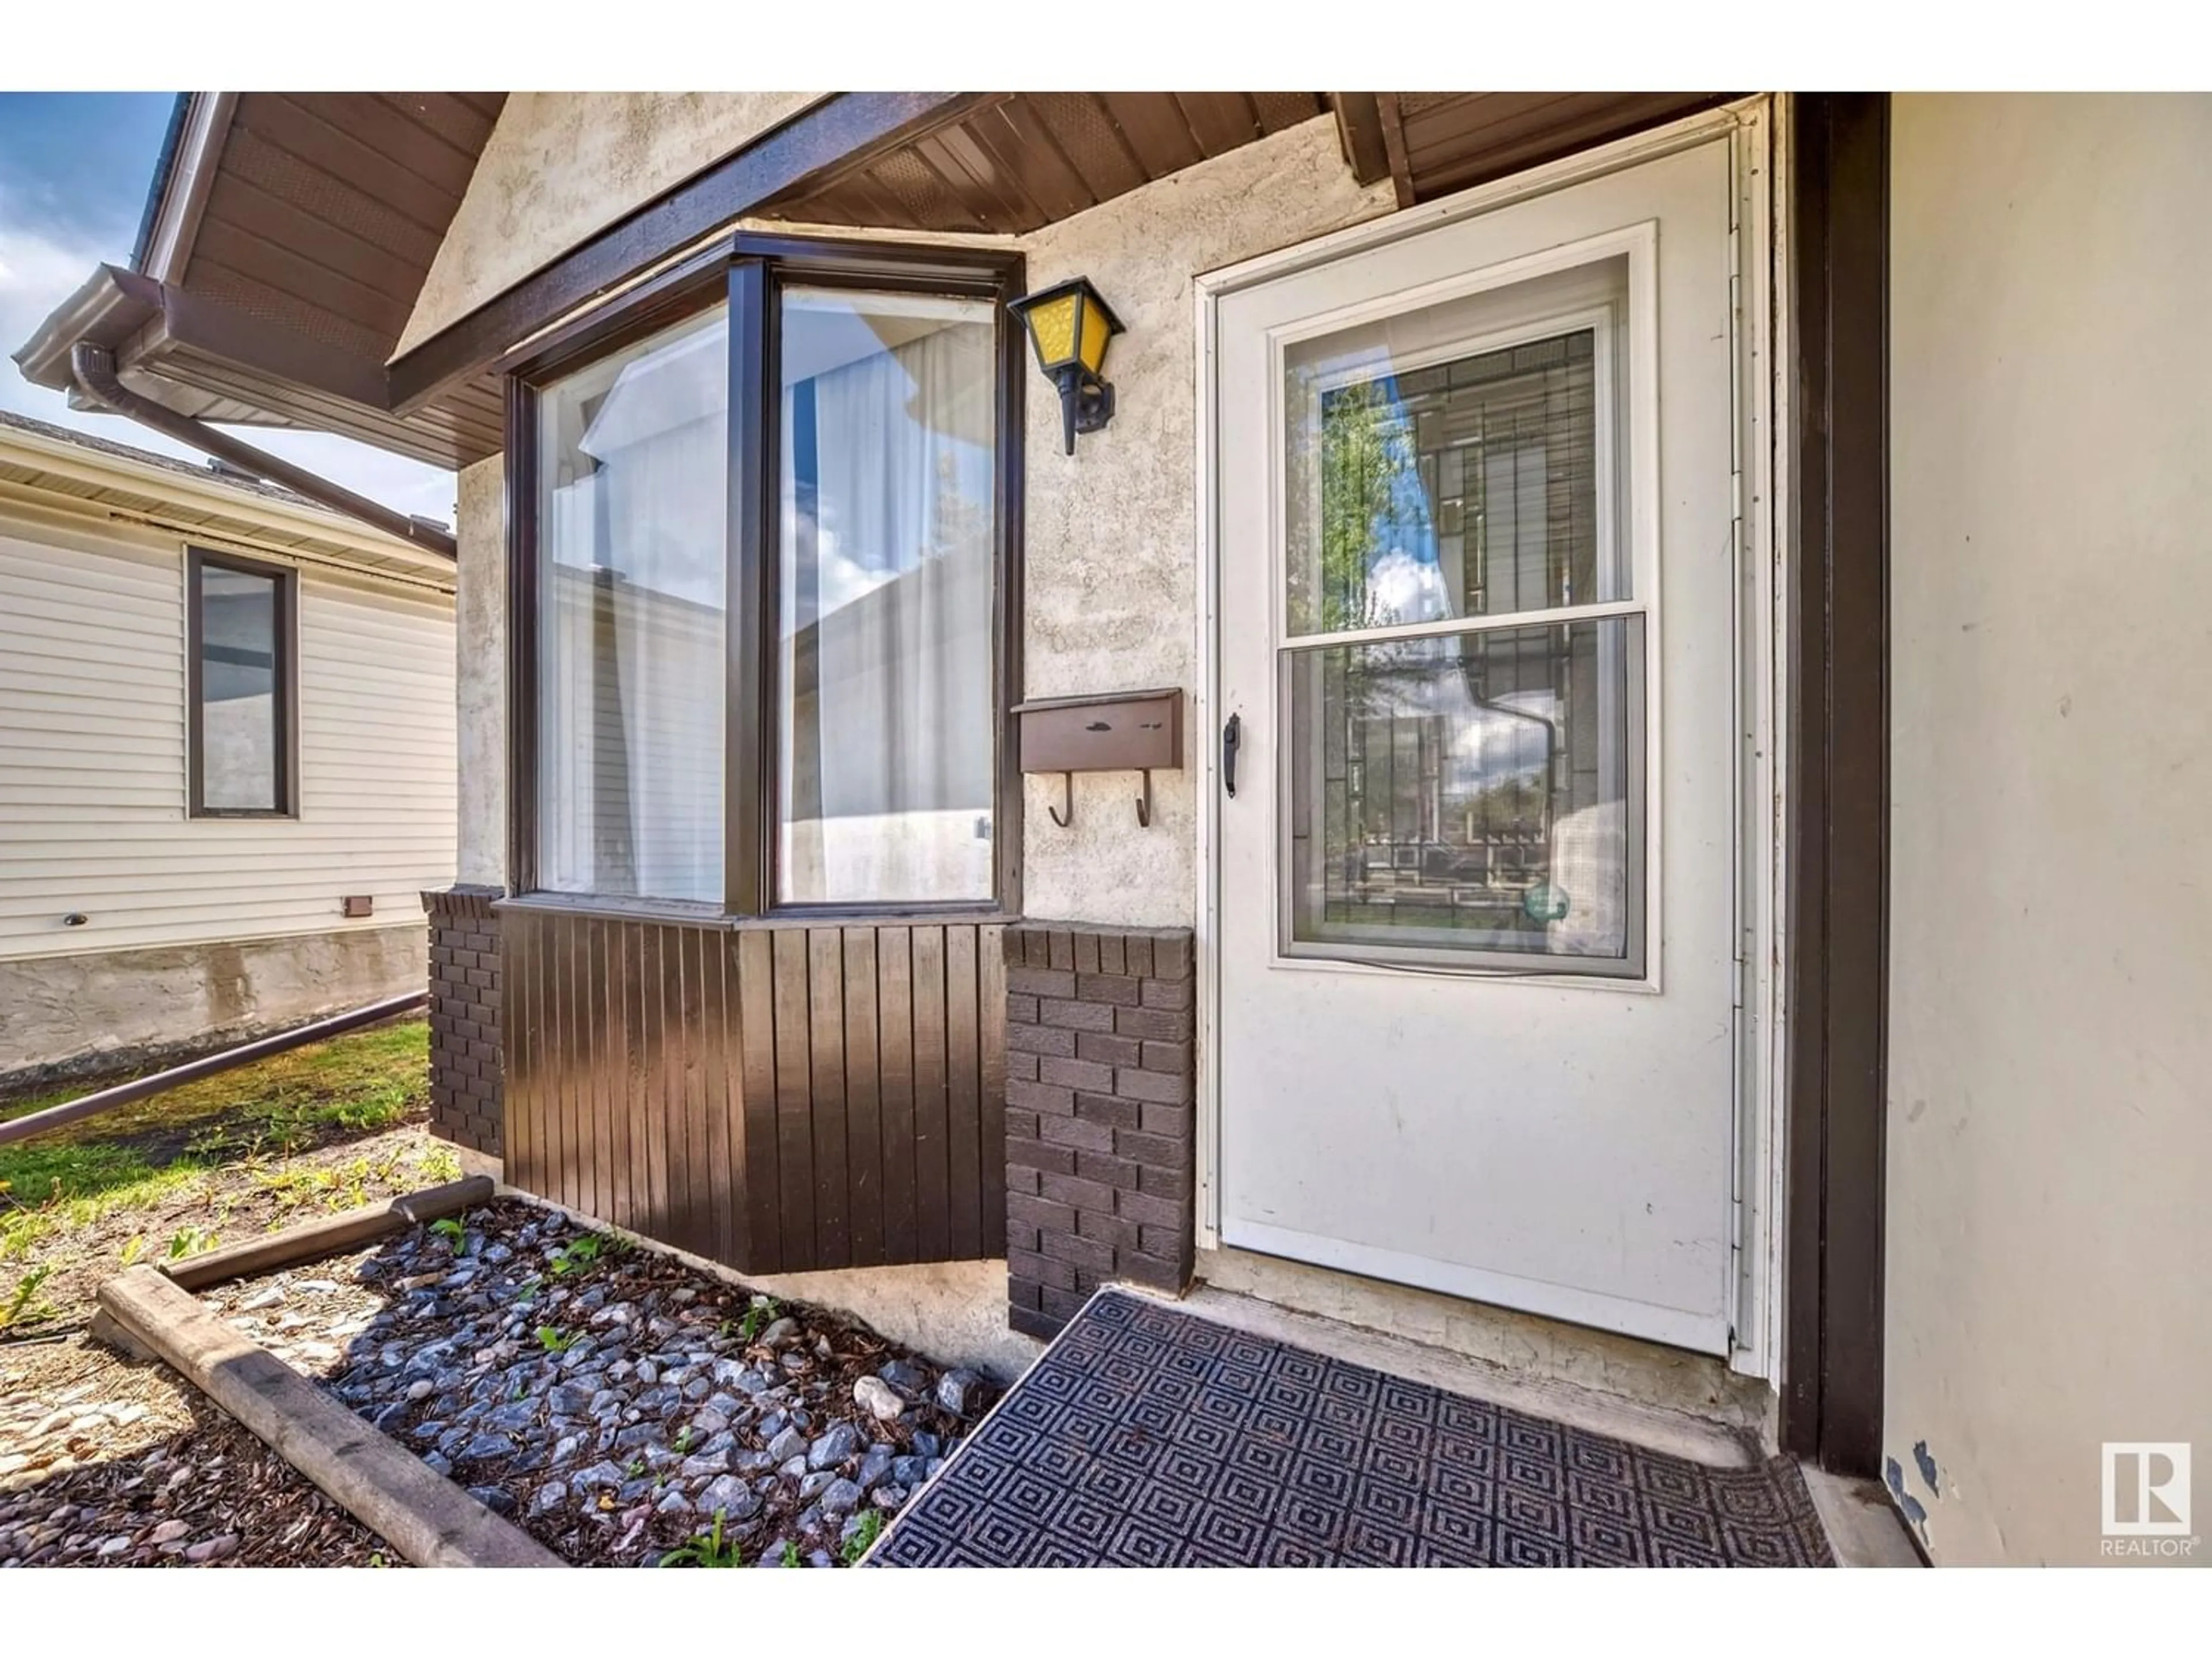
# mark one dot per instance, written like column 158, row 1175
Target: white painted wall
column 2050, row 1170
column 93, row 786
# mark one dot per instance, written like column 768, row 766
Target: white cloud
column 39, row 269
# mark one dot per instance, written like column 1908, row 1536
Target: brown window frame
column 748, row 272
column 287, row 756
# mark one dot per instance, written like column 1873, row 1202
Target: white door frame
column 1758, row 130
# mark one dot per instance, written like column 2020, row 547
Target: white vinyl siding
column 92, row 781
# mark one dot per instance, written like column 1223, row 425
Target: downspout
column 92, row 367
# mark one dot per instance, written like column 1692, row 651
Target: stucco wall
column 480, row 683
column 561, row 164
column 1110, row 534
column 2050, row 1146
column 82, row 1015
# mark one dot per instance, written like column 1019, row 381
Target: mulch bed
column 102, row 1458
column 611, row 1400
column 107, row 1462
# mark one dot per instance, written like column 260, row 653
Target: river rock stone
column 877, row 1398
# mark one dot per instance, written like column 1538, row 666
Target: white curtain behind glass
column 888, row 517
column 632, row 651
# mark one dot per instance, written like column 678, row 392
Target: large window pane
column 240, row 731
column 884, row 598
column 1469, row 793
column 632, row 459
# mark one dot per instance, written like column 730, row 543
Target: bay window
column 761, row 533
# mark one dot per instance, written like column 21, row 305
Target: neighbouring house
column 226, row 756
column 1595, row 760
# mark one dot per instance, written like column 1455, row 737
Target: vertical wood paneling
column 696, row 1155
column 864, row 1152
column 991, row 1016
column 825, row 971
column 514, row 1020
column 963, row 1106
column 794, row 1127
column 757, row 1156
column 895, row 1065
column 931, row 1201
column 782, row 1098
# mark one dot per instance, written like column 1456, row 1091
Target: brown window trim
column 287, row 579
column 748, row 271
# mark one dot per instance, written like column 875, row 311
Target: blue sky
column 74, row 168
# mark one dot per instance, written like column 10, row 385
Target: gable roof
column 285, row 238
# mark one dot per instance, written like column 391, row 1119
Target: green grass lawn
column 267, row 1138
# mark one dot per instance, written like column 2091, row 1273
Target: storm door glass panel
column 1470, row 791
column 240, row 722
column 633, row 515
column 1457, row 782
column 889, row 469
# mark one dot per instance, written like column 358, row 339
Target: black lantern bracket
column 1070, row 330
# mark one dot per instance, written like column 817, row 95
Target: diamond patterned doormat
column 1148, row 1437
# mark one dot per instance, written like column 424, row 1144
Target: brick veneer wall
column 464, row 1071
column 1100, row 1084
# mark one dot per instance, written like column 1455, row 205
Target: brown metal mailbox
column 1117, row 732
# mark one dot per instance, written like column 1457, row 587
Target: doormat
column 1148, row 1437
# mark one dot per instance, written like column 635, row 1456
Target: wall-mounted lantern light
column 1069, row 327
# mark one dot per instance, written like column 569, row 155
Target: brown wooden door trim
column 1831, row 1392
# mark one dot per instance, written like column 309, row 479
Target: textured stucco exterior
column 480, row 680
column 72, row 1015
column 2049, row 1144
column 561, row 165
column 1110, row 542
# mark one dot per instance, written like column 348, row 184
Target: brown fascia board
column 138, row 319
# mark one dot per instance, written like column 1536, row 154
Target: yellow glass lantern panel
column 1052, row 329
column 1094, row 337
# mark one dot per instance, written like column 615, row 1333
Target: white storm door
column 1475, row 515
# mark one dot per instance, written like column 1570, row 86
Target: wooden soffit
column 1431, row 143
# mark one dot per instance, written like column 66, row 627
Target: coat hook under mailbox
column 1119, row 731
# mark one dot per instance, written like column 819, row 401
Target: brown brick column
column 464, row 1072
column 1101, row 1169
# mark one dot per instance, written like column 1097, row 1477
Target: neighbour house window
column 239, row 622
column 764, row 562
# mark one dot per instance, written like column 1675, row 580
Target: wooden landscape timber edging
column 424, row 1515
column 328, row 1235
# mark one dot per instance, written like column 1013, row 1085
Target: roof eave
column 108, row 307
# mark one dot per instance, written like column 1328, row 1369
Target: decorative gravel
column 612, row 1401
